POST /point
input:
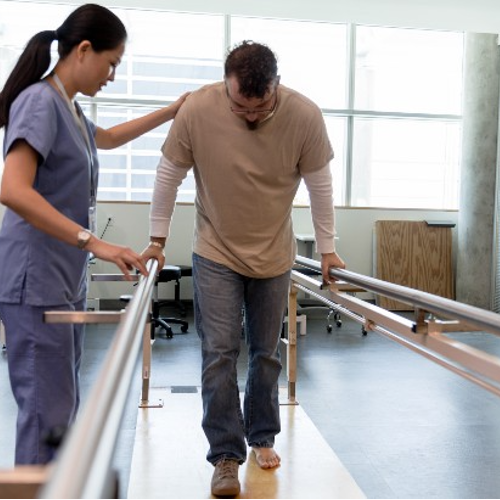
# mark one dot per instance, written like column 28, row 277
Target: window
column 405, row 163
column 391, row 97
column 408, row 71
column 300, row 48
column 406, row 119
column 159, row 65
column 312, row 57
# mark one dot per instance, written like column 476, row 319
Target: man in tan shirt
column 250, row 141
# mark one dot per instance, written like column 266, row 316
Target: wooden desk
column 416, row 254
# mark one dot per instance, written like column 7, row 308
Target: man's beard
column 252, row 125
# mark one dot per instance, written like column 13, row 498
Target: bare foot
column 267, row 458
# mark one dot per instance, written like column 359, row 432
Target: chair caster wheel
column 184, row 328
column 329, row 328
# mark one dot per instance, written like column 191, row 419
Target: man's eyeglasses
column 258, row 111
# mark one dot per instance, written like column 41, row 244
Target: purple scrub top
column 35, row 268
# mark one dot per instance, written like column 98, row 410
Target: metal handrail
column 83, row 466
column 428, row 337
column 426, row 301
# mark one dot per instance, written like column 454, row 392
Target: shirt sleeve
column 317, row 149
column 168, row 179
column 320, row 188
column 177, row 146
column 32, row 118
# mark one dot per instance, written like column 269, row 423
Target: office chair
column 333, row 313
column 168, row 273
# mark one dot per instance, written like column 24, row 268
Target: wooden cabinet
column 416, row 254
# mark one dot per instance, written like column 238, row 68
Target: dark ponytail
column 91, row 22
column 30, row 67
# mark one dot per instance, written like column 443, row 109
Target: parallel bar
column 363, row 309
column 446, row 307
column 83, row 466
column 367, row 313
column 81, row 317
column 448, row 364
column 426, row 337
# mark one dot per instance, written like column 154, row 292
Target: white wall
column 130, row 227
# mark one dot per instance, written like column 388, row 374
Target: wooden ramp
column 170, row 447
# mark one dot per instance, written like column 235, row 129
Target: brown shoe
column 225, row 479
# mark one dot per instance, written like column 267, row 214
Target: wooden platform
column 170, row 448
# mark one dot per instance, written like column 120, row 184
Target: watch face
column 83, row 238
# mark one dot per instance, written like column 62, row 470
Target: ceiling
column 481, row 16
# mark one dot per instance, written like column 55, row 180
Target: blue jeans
column 222, row 298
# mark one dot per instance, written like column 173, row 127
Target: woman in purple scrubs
column 49, row 187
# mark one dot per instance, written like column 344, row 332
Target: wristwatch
column 83, row 237
column 156, row 244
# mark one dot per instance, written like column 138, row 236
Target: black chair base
column 164, row 323
column 168, row 273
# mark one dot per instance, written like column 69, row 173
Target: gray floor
column 403, row 426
